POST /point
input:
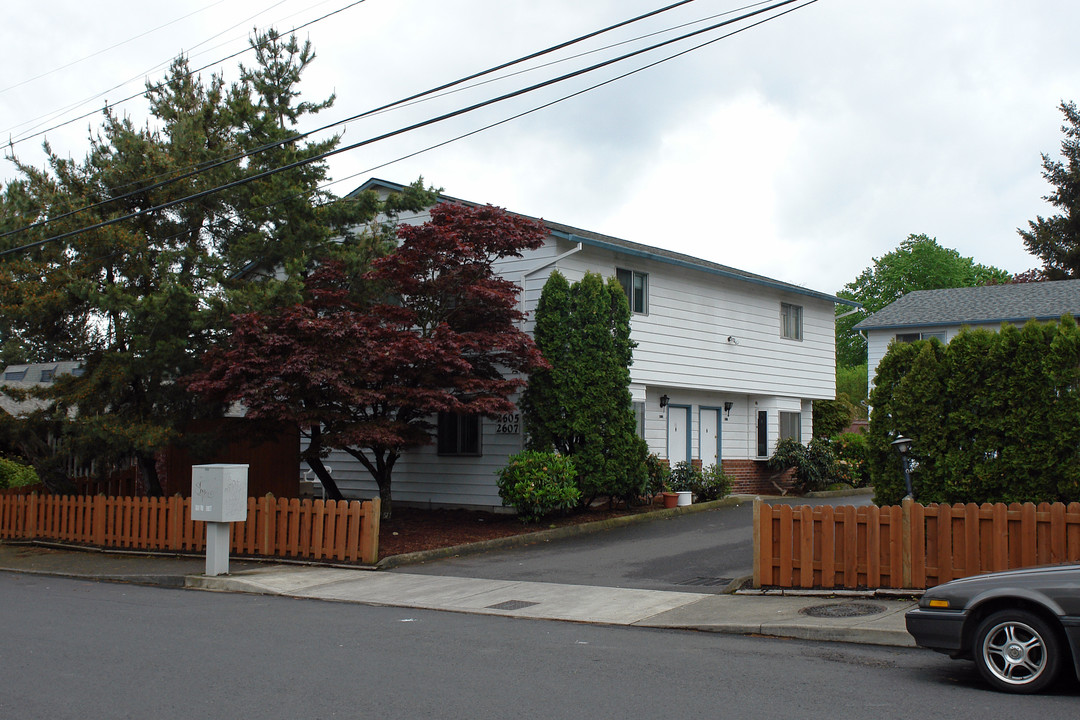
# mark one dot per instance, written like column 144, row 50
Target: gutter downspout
column 538, row 268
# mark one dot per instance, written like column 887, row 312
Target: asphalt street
column 696, row 552
column 81, row 649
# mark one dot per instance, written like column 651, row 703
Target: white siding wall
column 682, row 352
column 877, row 342
column 682, row 341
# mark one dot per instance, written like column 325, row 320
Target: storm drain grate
column 512, row 605
column 706, row 581
column 843, row 610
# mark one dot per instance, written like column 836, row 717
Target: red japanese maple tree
column 367, row 378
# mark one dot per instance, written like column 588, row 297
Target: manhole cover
column 706, row 581
column 512, row 605
column 843, row 610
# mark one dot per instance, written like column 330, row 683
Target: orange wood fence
column 275, row 527
column 906, row 546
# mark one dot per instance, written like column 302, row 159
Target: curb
column 847, row 492
column 515, row 541
column 173, row 581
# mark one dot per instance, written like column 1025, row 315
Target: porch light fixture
column 664, row 401
column 727, row 408
column 903, row 446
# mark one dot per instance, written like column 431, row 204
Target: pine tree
column 141, row 300
column 1056, row 239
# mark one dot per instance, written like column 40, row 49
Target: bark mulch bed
column 415, row 529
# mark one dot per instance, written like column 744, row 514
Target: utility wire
column 107, row 49
column 25, row 137
column 432, row 121
column 192, row 171
column 477, row 131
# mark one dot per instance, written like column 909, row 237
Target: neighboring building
column 30, row 376
column 925, row 314
column 726, row 364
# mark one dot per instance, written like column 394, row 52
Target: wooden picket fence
column 275, row 527
column 907, row 546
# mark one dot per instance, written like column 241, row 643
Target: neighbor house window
column 15, row 375
column 791, row 426
column 636, row 286
column 791, row 321
column 912, row 337
column 459, row 434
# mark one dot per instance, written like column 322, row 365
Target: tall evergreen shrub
column 582, row 406
column 994, row 417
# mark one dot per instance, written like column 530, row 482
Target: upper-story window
column 636, row 286
column 791, row 321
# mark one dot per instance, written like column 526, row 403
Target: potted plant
column 683, row 480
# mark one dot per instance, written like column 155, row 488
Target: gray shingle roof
column 976, row 305
column 595, row 239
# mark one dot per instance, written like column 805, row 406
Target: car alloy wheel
column 1016, row 651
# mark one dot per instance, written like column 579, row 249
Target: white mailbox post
column 218, row 497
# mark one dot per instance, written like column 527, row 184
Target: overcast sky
column 800, row 149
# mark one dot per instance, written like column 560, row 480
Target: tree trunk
column 381, row 470
column 312, row 456
column 151, row 482
column 52, row 473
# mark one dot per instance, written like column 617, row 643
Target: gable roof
column 987, row 304
column 626, row 247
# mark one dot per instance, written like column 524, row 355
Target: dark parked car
column 1021, row 627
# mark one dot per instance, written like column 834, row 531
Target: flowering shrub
column 852, row 451
column 538, row 484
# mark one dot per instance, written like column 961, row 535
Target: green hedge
column 12, row 474
column 994, row 417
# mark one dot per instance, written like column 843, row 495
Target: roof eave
column 706, row 268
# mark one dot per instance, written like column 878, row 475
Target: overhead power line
column 23, row 138
column 447, row 116
column 192, row 171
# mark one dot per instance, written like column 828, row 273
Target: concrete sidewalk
column 857, row 618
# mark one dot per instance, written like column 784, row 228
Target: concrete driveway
column 696, row 552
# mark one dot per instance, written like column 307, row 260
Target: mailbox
column 219, row 493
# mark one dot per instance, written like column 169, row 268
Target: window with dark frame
column 636, row 286
column 458, row 434
column 762, row 433
column 791, row 321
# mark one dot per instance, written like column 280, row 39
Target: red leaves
column 372, row 376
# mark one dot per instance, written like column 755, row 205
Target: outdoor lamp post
column 903, row 446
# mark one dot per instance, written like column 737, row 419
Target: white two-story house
column 726, row 364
